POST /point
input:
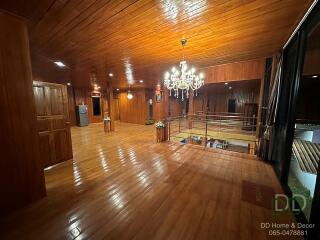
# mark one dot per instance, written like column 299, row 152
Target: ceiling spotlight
column 230, row 88
column 68, row 84
column 141, row 81
column 110, row 74
column 60, row 64
column 314, row 76
column 117, row 89
column 226, row 83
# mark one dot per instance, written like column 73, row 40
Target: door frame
column 311, row 21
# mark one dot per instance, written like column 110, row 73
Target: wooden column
column 191, row 110
column 161, row 109
column 205, row 103
column 165, row 104
column 21, row 173
column 111, row 109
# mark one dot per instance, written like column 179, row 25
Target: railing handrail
column 240, row 124
column 208, row 116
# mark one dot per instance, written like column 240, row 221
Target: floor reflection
column 76, row 174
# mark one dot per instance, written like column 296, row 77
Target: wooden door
column 53, row 122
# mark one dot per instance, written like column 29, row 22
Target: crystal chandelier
column 183, row 79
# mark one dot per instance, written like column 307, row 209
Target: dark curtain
column 265, row 147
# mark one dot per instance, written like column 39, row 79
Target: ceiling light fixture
column 314, row 76
column 69, row 84
column 110, row 74
column 117, row 89
column 141, row 81
column 230, row 88
column 226, row 83
column 129, row 95
column 184, row 79
column 60, row 64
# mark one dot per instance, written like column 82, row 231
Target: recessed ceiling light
column 230, row 88
column 110, row 74
column 314, row 76
column 60, row 64
column 117, row 89
column 69, row 84
column 141, row 81
column 226, row 83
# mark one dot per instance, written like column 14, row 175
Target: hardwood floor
column 124, row 185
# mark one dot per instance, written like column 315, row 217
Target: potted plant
column 160, row 128
column 149, row 122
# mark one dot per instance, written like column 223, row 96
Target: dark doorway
column 187, row 105
column 96, row 106
column 231, row 105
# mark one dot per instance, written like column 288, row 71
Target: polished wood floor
column 124, row 185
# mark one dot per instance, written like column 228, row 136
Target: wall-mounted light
column 140, row 81
column 110, row 74
column 129, row 95
column 314, row 76
column 60, row 64
column 117, row 89
column 68, row 84
column 96, row 87
column 230, row 88
column 226, row 83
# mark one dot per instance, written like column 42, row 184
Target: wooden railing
column 224, row 127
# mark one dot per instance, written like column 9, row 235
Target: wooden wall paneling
column 134, row 110
column 199, row 103
column 21, row 177
column 243, row 92
column 216, row 96
column 176, row 106
column 53, row 122
column 71, row 106
column 238, row 71
column 311, row 58
column 116, row 109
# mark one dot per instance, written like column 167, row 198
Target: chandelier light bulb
column 183, row 80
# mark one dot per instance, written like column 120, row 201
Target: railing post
column 206, row 136
column 179, row 123
column 169, row 132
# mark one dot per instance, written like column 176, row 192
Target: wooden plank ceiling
column 140, row 39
